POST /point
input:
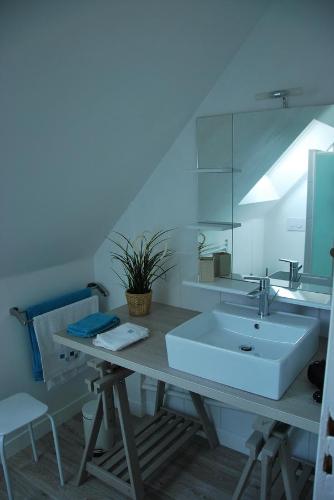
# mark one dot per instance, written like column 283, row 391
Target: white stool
column 15, row 412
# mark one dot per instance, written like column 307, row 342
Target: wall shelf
column 215, row 170
column 228, row 285
column 214, row 226
column 285, row 295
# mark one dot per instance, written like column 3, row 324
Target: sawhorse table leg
column 129, row 441
column 160, row 396
column 103, row 387
column 254, row 444
column 208, row 426
column 197, row 400
column 271, row 439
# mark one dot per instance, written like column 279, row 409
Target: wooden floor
column 196, row 473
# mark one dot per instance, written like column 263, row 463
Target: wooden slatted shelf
column 156, row 442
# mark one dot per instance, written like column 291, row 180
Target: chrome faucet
column 295, row 267
column 262, row 293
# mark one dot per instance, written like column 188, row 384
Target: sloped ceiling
column 92, row 95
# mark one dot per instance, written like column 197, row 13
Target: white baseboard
column 21, row 439
column 232, row 441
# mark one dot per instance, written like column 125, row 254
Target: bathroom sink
column 232, row 345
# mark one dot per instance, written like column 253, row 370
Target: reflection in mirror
column 215, row 189
column 214, row 136
column 283, row 196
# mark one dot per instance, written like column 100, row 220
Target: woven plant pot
column 139, row 303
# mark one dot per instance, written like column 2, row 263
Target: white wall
column 15, row 355
column 291, row 46
column 92, row 94
column 264, row 238
column 278, row 241
column 248, row 247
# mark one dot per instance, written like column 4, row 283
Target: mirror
column 267, row 177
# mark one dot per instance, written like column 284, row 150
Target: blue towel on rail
column 45, row 307
column 92, row 325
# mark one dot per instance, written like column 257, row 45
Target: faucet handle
column 292, row 262
column 294, row 268
column 264, row 281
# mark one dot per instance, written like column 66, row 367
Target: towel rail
column 22, row 316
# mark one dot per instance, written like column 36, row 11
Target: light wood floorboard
column 197, row 472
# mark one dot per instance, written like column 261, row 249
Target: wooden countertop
column 149, row 357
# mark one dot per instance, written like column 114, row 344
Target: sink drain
column 246, row 348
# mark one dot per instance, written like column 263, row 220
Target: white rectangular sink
column 232, row 345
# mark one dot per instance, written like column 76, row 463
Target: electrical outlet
column 295, row 224
column 327, row 465
column 330, row 426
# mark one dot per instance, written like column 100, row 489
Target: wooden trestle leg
column 171, row 430
column 103, row 387
column 160, row 396
column 197, row 400
column 129, row 441
column 208, row 426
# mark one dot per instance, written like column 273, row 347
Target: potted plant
column 143, row 261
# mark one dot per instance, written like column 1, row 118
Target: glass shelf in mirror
column 214, row 226
column 215, row 170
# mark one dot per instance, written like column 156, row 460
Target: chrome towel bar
column 22, row 317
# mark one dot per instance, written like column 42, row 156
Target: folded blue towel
column 92, row 325
column 45, row 307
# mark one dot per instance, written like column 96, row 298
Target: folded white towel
column 117, row 338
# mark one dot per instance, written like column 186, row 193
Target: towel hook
column 20, row 315
column 100, row 288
